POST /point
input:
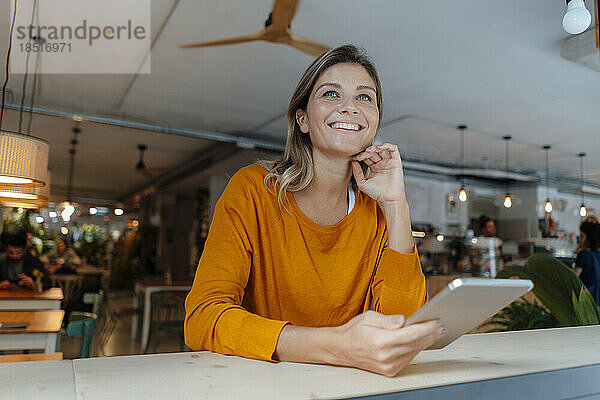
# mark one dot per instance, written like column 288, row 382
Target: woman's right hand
column 382, row 344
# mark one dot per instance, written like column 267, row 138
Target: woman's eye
column 364, row 97
column 330, row 93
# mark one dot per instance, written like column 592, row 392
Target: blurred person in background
column 61, row 259
column 587, row 264
column 17, row 265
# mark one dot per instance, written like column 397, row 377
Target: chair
column 82, row 324
column 70, row 285
column 162, row 303
column 113, row 315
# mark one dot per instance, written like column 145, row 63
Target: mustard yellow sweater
column 263, row 268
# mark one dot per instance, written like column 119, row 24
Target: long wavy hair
column 293, row 171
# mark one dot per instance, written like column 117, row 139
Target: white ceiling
column 495, row 66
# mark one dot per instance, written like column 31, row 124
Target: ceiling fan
column 141, row 166
column 277, row 30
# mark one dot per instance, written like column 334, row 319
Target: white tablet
column 467, row 302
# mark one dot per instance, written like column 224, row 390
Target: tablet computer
column 467, row 302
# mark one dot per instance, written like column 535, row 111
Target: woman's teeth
column 346, row 126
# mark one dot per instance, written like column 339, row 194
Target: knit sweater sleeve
column 215, row 319
column 398, row 285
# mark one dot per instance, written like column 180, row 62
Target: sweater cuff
column 402, row 271
column 253, row 336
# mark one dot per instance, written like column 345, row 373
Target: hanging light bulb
column 507, row 201
column 548, row 206
column 582, row 208
column 462, row 194
column 577, row 18
column 67, row 212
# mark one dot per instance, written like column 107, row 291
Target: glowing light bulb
column 64, row 230
column 119, row 211
column 462, row 195
column 93, row 210
column 548, row 206
column 582, row 210
column 507, row 201
column 52, row 214
column 440, row 238
column 474, row 240
column 39, row 219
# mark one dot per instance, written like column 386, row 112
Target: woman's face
column 342, row 114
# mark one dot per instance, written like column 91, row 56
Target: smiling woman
column 310, row 257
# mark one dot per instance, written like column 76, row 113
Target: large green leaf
column 585, row 308
column 559, row 304
column 558, row 288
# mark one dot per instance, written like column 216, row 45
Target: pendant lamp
column 24, row 176
column 462, row 193
column 507, row 201
column 582, row 208
column 548, row 203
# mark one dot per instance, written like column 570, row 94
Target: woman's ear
column 301, row 119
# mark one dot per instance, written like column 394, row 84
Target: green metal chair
column 82, row 324
column 163, row 305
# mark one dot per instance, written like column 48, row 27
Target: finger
column 392, row 148
column 376, row 157
column 417, row 332
column 368, row 161
column 357, row 172
column 384, row 153
column 378, row 320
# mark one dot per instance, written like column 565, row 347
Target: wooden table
column 24, row 299
column 542, row 364
column 145, row 288
column 12, row 358
column 42, row 332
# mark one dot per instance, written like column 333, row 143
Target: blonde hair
column 293, row 171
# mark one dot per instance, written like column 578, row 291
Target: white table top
column 208, row 375
column 473, row 358
column 38, row 380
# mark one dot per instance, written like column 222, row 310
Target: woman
column 587, row 264
column 305, row 253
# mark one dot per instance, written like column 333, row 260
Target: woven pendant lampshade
column 23, row 159
column 24, row 175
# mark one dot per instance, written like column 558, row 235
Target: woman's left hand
column 386, row 180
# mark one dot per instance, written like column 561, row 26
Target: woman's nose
column 348, row 108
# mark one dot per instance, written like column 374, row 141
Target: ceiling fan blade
column 283, row 13
column 305, row 45
column 220, row 42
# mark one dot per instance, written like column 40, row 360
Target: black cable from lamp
column 581, row 155
column 12, row 25
column 33, row 93
column 547, row 147
column 24, row 89
column 507, row 138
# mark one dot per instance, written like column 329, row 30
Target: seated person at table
column 17, row 265
column 61, row 259
column 308, row 258
column 587, row 264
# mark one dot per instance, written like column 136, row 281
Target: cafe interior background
column 136, row 162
